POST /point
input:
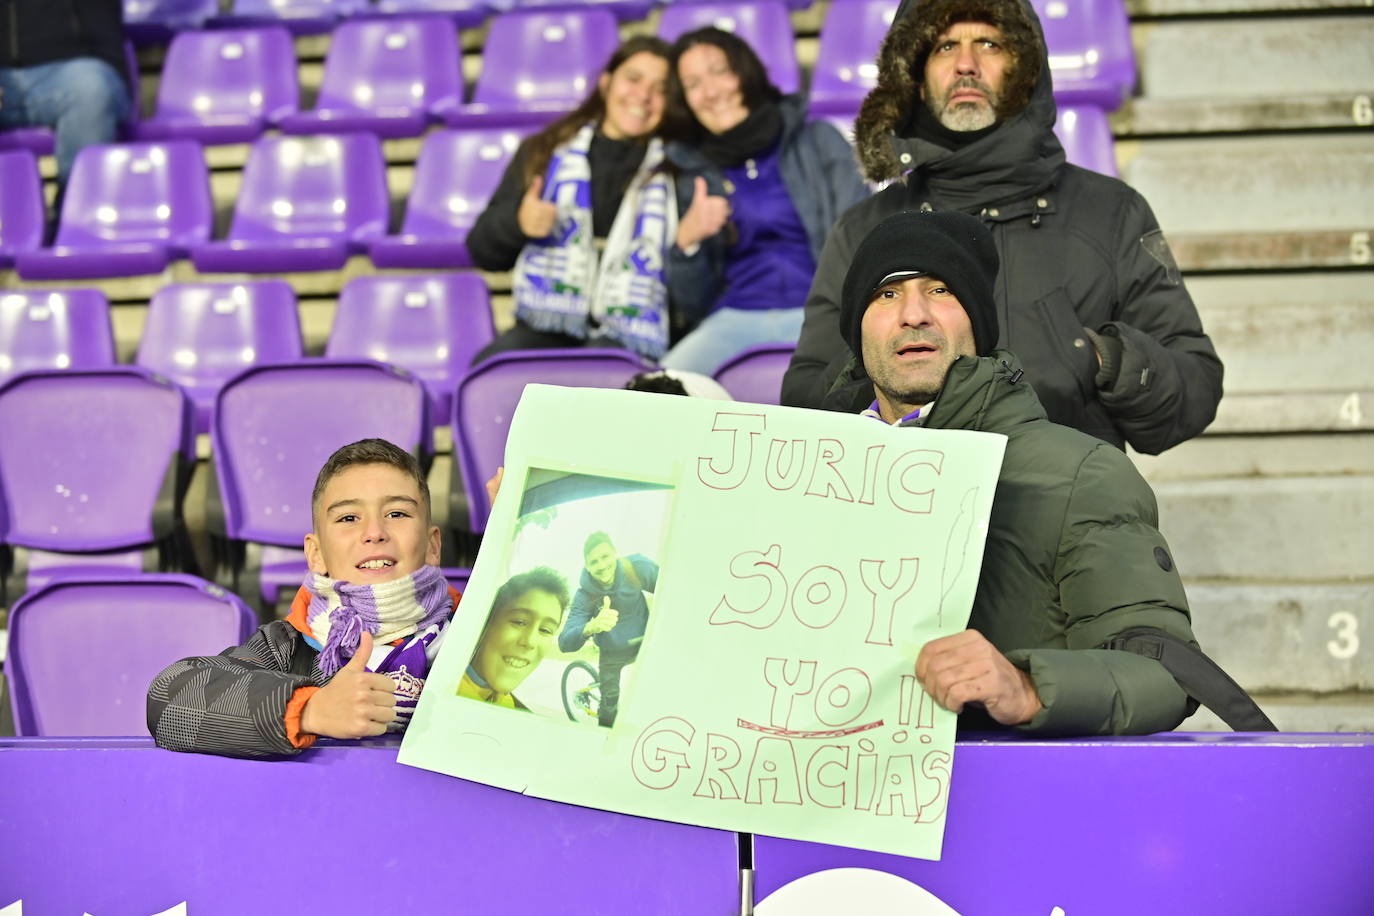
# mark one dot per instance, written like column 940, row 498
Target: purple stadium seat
column 429, row 325
column 756, row 374
column 455, row 175
column 202, row 334
column 1087, row 138
column 21, row 204
column 486, row 400
column 224, row 86
column 466, row 14
column 273, row 428
column 764, row 24
column 846, row 67
column 156, row 21
column 130, row 209
column 387, row 76
column 537, row 65
column 54, row 329
column 83, row 651
column 1091, row 58
column 307, row 203
column 93, row 462
column 302, row 17
column 624, row 10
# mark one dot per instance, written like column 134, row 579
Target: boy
column 522, row 627
column 350, row 659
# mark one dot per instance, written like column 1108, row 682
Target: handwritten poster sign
column 710, row 612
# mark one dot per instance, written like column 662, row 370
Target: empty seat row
column 395, row 76
column 157, row 21
column 201, row 334
column 95, row 463
column 306, row 203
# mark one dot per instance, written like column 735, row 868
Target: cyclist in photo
column 610, row 608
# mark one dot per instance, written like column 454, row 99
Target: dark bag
column 1202, row 679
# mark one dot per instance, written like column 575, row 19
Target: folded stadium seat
column 764, row 24
column 302, row 17
column 130, row 209
column 202, row 334
column 486, row 400
column 224, row 86
column 273, row 428
column 387, row 76
column 152, row 22
column 429, row 325
column 537, row 65
column 845, row 68
column 21, row 205
column 455, row 174
column 93, row 466
column 306, row 203
column 466, row 14
column 756, row 374
column 54, row 329
column 83, row 651
column 1091, row 58
column 624, row 10
column 39, row 140
column 1087, row 138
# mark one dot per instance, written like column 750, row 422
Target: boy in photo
column 522, row 627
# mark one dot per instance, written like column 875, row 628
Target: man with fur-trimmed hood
column 1088, row 296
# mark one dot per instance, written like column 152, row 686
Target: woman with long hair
column 584, row 216
column 767, row 187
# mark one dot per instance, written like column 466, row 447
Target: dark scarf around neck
column 751, row 137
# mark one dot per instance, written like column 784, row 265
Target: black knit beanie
column 953, row 247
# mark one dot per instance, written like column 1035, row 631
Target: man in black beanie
column 961, row 119
column 1074, row 565
column 920, row 286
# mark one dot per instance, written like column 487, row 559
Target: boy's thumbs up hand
column 355, row 703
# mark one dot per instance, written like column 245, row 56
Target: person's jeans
column 82, row 99
column 729, row 332
column 608, row 676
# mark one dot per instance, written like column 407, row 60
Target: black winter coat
column 1079, row 250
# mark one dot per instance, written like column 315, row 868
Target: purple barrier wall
column 1252, row 824
column 116, row 827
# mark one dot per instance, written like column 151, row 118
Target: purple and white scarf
column 559, row 282
column 339, row 612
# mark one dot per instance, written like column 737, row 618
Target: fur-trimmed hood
column 1028, row 93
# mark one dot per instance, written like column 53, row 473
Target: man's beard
column 965, row 116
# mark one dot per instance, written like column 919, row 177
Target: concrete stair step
column 1210, row 457
column 1288, row 637
column 1310, row 183
column 1151, row 9
column 1352, row 712
column 1295, row 413
column 1280, row 333
column 1316, row 529
column 1278, row 56
column 1313, row 249
column 1144, row 117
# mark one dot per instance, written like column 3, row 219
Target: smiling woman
column 767, row 184
column 592, row 176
